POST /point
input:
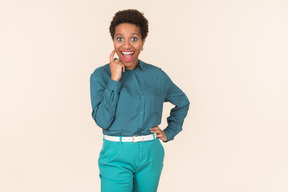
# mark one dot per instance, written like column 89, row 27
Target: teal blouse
column 134, row 104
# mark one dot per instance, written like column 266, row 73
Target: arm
column 177, row 114
column 104, row 99
column 105, row 95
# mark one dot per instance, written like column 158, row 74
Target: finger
column 156, row 131
column 112, row 56
column 155, row 127
column 123, row 66
column 159, row 135
column 117, row 61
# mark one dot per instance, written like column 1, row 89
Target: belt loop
column 154, row 136
column 121, row 140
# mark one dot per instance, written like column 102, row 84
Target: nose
column 126, row 44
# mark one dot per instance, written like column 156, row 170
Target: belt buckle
column 133, row 138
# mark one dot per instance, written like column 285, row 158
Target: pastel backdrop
column 228, row 56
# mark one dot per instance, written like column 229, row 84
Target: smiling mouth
column 127, row 55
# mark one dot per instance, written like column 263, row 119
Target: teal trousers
column 130, row 167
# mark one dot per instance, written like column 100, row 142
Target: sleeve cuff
column 114, row 85
column 168, row 135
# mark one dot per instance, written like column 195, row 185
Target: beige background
column 229, row 57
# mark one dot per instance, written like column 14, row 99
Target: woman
column 127, row 98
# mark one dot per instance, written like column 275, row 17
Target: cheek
column 116, row 45
column 119, row 54
column 117, row 50
column 139, row 49
column 139, row 46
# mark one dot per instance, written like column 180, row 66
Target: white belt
column 133, row 139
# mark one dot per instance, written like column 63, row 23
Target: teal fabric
column 134, row 104
column 130, row 167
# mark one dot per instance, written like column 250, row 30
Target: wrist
column 115, row 79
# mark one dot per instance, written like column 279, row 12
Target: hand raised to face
column 116, row 67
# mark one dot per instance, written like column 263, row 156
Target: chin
column 127, row 64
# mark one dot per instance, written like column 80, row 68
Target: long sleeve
column 178, row 98
column 135, row 104
column 104, row 98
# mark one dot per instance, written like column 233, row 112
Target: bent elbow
column 187, row 102
column 101, row 120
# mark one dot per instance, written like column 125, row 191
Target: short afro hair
column 131, row 16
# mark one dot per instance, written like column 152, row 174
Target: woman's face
column 128, row 44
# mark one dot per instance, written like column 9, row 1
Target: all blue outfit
column 131, row 107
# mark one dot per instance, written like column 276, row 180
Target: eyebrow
column 131, row 33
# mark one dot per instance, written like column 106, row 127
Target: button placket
column 140, row 93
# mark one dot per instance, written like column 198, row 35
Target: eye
column 119, row 38
column 134, row 39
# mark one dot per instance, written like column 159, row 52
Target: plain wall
column 229, row 57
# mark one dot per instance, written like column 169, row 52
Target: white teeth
column 127, row 53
